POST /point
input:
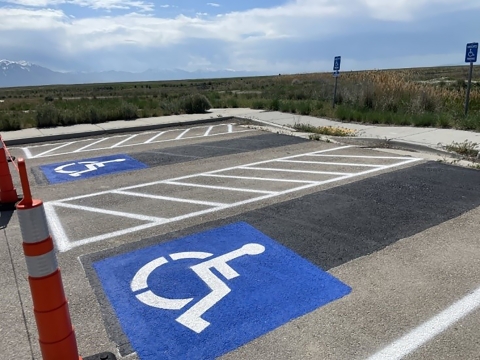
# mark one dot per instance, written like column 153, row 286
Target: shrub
column 232, row 102
column 92, row 115
column 47, row 116
column 275, row 105
column 258, row 104
column 195, row 104
column 303, row 108
column 127, row 111
column 9, row 123
column 68, row 117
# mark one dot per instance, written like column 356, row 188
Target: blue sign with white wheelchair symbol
column 87, row 168
column 206, row 294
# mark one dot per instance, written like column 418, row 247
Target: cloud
column 213, row 4
column 302, row 33
column 93, row 4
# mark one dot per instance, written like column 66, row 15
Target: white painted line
column 191, row 176
column 27, row 152
column 218, row 187
column 259, row 178
column 211, row 210
column 154, row 137
column 87, row 146
column 208, row 131
column 183, row 133
column 56, row 229
column 154, row 142
column 272, row 160
column 329, row 163
column 53, row 149
column 295, row 171
column 230, row 128
column 428, row 330
column 73, row 244
column 363, row 156
column 124, row 141
column 110, row 212
column 168, row 198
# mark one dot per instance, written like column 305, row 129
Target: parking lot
column 341, row 251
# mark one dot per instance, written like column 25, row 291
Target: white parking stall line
column 201, row 174
column 329, row 163
column 428, row 330
column 27, row 152
column 218, row 187
column 110, row 212
column 258, row 178
column 89, row 145
column 210, row 128
column 65, row 244
column 55, row 148
column 361, row 156
column 155, row 137
column 55, row 225
column 124, row 141
column 181, row 135
column 295, row 171
column 168, row 198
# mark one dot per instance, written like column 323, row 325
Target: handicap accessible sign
column 88, row 168
column 204, row 295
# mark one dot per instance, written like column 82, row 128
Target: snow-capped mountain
column 23, row 73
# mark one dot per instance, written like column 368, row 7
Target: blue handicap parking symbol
column 206, row 294
column 87, row 168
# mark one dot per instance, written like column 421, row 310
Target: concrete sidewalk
column 431, row 138
column 422, row 138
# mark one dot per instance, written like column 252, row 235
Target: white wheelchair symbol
column 192, row 318
column 90, row 166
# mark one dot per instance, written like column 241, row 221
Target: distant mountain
column 22, row 73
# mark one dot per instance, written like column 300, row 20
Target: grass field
column 431, row 97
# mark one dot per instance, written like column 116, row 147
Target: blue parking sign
column 471, row 53
column 203, row 295
column 336, row 63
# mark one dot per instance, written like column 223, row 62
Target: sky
column 267, row 36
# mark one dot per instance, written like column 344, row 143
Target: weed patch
column 325, row 130
column 466, row 148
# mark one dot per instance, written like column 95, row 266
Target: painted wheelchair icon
column 192, row 318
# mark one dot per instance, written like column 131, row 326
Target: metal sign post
column 470, row 57
column 336, row 74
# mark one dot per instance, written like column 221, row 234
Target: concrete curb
column 369, row 142
column 359, row 141
column 46, row 138
column 394, row 144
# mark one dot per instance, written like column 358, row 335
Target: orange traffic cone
column 8, row 193
column 56, row 333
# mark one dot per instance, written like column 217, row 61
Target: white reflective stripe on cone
column 33, row 224
column 42, row 265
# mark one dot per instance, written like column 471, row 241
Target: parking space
column 157, row 203
column 129, row 140
column 253, row 245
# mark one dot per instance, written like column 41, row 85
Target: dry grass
column 418, row 97
column 325, row 130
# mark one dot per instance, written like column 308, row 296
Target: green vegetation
column 324, row 130
column 427, row 97
column 466, row 148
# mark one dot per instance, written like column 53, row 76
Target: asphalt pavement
column 306, row 249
